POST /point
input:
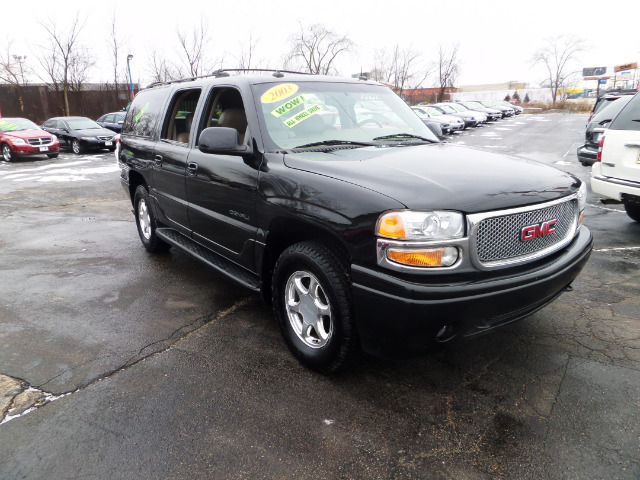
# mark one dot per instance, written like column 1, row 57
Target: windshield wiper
column 335, row 142
column 404, row 135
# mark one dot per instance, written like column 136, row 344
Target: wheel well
column 135, row 179
column 285, row 232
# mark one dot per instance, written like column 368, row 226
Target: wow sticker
column 290, row 105
column 302, row 116
column 279, row 92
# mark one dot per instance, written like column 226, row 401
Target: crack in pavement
column 18, row 398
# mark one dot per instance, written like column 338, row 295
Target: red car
column 19, row 136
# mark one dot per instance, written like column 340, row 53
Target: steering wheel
column 369, row 120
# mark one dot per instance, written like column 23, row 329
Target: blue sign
column 602, row 80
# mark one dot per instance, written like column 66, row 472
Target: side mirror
column 120, row 122
column 222, row 140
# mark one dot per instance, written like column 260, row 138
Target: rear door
column 170, row 158
column 621, row 148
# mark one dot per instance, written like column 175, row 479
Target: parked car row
column 21, row 137
column 455, row 116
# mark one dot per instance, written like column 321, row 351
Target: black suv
column 332, row 198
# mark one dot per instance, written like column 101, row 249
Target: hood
column 450, row 118
column 441, row 176
column 94, row 132
column 28, row 133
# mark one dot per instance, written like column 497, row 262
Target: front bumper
column 24, row 150
column 98, row 144
column 612, row 187
column 398, row 316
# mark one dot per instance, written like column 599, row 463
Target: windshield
column 433, row 111
column 473, row 105
column 82, row 124
column 447, row 109
column 458, row 107
column 17, row 124
column 303, row 113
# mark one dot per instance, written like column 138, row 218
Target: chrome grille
column 105, row 138
column 497, row 238
column 40, row 141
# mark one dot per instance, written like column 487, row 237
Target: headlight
column 582, row 202
column 582, row 196
column 54, row 138
column 88, row 138
column 18, row 141
column 411, row 225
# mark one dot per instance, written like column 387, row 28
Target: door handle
column 192, row 168
column 158, row 160
column 632, row 144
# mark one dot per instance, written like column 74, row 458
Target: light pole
column 129, row 57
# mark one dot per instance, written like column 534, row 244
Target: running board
column 218, row 262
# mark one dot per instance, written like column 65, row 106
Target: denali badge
column 539, row 230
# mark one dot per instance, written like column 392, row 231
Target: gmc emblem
column 539, row 230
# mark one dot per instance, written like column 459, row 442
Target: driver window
column 225, row 108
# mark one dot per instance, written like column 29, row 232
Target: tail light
column 599, row 159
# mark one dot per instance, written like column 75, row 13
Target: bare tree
column 14, row 71
column 556, row 55
column 193, row 52
column 317, row 48
column 402, row 68
column 115, row 47
column 61, row 54
column 158, row 67
column 246, row 59
column 79, row 66
column 447, row 68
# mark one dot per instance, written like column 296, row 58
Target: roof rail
column 224, row 72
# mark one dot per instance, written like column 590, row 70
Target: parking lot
column 130, row 365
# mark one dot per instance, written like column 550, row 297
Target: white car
column 616, row 173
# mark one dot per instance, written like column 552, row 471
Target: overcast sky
column 496, row 38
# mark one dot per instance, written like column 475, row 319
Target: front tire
column 146, row 222
column 52, row 155
column 312, row 302
column 632, row 209
column 7, row 154
column 76, row 146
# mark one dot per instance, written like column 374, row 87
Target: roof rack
column 224, row 72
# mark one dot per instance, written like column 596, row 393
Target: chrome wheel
column 6, row 153
column 308, row 309
column 144, row 219
column 75, row 146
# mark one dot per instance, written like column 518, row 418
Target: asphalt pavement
column 115, row 363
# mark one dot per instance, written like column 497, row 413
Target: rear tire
column 146, row 222
column 632, row 209
column 312, row 302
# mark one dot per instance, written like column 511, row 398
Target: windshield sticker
column 142, row 110
column 7, row 127
column 290, row 105
column 279, row 92
column 302, row 116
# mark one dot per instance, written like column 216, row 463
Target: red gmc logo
column 539, row 230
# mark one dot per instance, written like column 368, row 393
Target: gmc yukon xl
column 333, row 199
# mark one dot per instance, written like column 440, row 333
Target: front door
column 222, row 188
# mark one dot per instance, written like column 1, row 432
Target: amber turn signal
column 391, row 226
column 429, row 257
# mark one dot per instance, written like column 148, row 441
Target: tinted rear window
column 629, row 117
column 143, row 113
